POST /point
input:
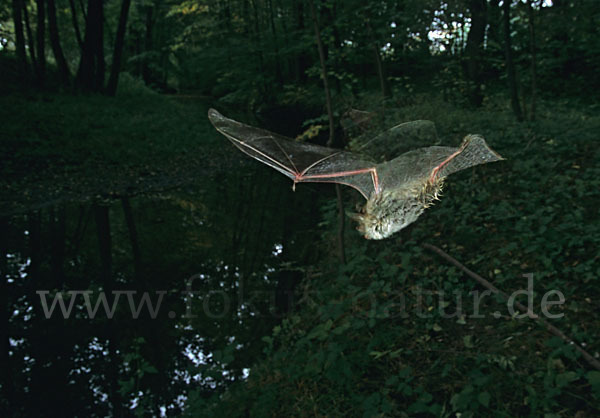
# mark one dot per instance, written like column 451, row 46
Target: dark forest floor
column 59, row 147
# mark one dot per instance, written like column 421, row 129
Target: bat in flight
column 397, row 191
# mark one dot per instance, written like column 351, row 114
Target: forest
column 149, row 268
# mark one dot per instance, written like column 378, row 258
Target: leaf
column 461, row 320
column 468, row 341
column 341, row 329
column 148, row 368
column 320, row 331
column 594, row 378
column 378, row 354
column 484, row 398
column 563, row 379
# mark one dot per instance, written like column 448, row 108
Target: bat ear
column 355, row 216
column 360, row 219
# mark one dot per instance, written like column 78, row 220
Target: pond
column 137, row 299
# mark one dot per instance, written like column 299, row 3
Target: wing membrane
column 473, row 151
column 436, row 162
column 300, row 161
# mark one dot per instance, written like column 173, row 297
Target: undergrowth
column 398, row 332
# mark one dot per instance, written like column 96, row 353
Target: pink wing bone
column 435, row 171
column 301, row 162
column 303, row 177
column 473, row 151
column 298, row 176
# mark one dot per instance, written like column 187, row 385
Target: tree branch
column 589, row 358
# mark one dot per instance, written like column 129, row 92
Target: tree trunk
column 41, row 42
column 285, row 28
column 59, row 235
column 532, row 49
column 278, row 73
column 474, row 50
column 30, row 39
column 328, row 19
column 76, row 24
column 99, row 49
column 146, row 72
column 85, row 73
column 510, row 66
column 63, row 67
column 83, row 10
column 258, row 46
column 102, row 218
column 113, row 80
column 383, row 84
column 133, row 239
column 90, row 76
column 301, row 60
column 340, row 203
column 20, row 38
column 494, row 18
column 323, row 73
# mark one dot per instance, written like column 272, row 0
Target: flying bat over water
column 397, row 191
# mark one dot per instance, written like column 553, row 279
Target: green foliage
column 135, row 130
column 383, row 335
column 131, row 86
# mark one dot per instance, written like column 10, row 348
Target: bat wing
column 300, row 161
column 399, row 139
column 433, row 163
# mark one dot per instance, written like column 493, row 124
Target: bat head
column 390, row 211
column 372, row 227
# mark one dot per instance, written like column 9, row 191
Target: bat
column 396, row 191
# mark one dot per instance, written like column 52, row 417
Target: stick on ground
column 587, row 356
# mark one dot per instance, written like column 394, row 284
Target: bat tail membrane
column 473, row 151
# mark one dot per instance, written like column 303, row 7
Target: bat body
column 397, row 191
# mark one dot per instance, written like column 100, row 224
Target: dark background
column 226, row 294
